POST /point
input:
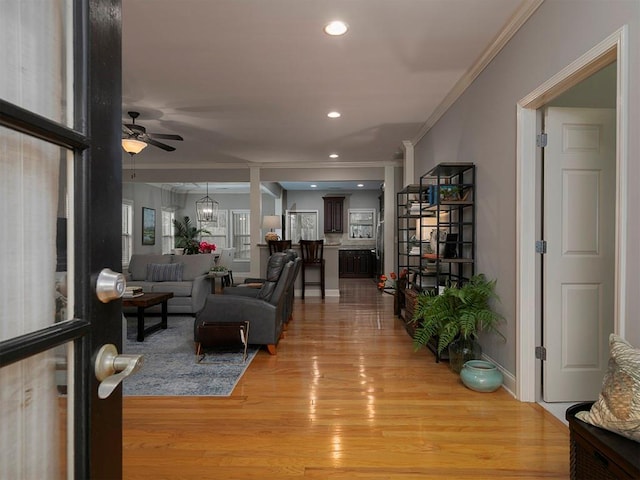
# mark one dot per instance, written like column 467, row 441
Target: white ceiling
column 249, row 82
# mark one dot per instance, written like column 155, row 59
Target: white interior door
column 579, row 266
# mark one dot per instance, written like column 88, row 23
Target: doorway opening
column 612, row 50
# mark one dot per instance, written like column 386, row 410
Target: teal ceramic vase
column 481, row 376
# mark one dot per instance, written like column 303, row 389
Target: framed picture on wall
column 148, row 226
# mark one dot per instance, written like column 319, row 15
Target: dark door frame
column 95, row 141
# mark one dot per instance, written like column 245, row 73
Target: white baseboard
column 509, row 380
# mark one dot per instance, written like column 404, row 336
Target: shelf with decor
column 447, row 224
column 435, row 223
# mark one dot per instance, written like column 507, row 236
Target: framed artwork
column 148, row 226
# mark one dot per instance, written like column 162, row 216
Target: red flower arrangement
column 382, row 283
column 205, row 247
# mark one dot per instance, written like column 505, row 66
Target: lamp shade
column 271, row 222
column 133, row 146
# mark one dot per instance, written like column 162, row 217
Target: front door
column 579, row 266
column 60, row 197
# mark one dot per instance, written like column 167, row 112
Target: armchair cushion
column 275, row 266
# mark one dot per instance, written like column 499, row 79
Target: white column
column 255, row 203
column 389, row 219
column 409, row 163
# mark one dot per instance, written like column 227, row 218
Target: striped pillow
column 164, row 272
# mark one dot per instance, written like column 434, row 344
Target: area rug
column 170, row 366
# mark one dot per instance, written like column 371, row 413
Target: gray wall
column 313, row 200
column 144, row 195
column 481, row 128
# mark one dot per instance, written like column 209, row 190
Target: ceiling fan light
column 133, row 146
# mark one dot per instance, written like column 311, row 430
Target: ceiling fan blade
column 151, row 141
column 127, row 130
column 165, row 136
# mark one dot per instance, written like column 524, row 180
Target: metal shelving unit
column 436, row 227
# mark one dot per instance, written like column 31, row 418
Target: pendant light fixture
column 206, row 208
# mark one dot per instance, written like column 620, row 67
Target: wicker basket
column 411, row 297
column 598, row 454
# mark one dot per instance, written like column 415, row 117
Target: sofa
column 183, row 275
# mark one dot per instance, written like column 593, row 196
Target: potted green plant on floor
column 454, row 318
column 186, row 236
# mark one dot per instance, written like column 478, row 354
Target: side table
column 217, row 274
column 222, row 334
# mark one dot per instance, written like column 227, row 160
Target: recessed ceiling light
column 313, row 185
column 334, row 155
column 336, row 28
column 360, row 185
column 333, row 114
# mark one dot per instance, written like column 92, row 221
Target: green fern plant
column 458, row 312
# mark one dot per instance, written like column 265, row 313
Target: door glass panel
column 33, row 395
column 34, row 285
column 36, row 57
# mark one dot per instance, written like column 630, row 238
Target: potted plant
column 186, row 236
column 454, row 318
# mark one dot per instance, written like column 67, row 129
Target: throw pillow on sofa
column 164, row 272
column 618, row 406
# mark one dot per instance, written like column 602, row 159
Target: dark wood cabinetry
column 333, row 214
column 356, row 263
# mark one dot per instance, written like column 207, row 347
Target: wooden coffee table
column 144, row 301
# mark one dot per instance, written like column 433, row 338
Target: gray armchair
column 253, row 292
column 266, row 311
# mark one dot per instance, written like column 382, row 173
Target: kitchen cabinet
column 333, row 214
column 356, row 263
column 362, row 222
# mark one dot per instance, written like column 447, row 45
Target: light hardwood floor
column 346, row 397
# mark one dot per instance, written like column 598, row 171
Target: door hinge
column 541, row 140
column 541, row 353
column 541, row 246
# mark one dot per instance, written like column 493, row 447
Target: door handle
column 110, row 285
column 108, row 362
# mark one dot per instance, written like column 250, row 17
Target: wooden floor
column 346, row 397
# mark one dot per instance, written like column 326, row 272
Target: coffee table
column 144, row 301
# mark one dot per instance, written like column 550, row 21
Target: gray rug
column 170, row 366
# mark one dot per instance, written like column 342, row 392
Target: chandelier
column 206, row 208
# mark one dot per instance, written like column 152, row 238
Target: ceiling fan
column 134, row 136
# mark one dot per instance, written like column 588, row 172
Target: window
column 127, row 232
column 168, row 238
column 302, row 225
column 217, row 229
column 241, row 234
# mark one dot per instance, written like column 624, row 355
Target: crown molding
column 517, row 20
column 267, row 165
